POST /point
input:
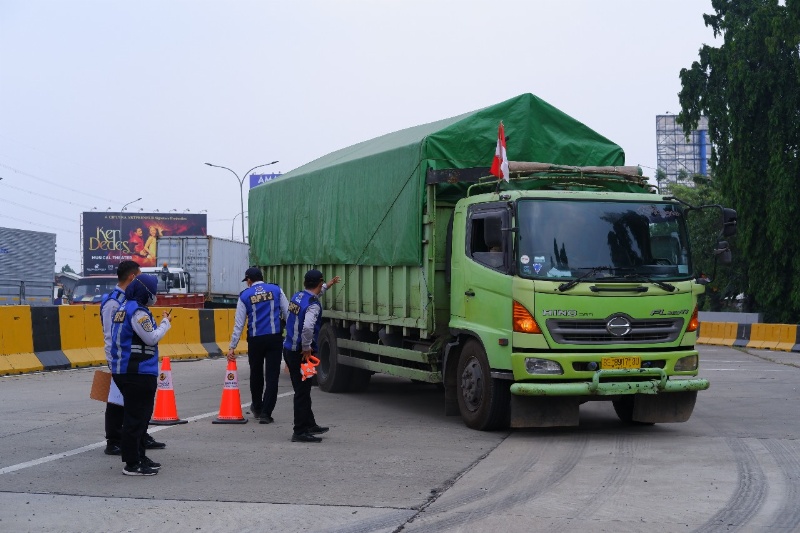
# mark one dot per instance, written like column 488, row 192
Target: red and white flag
column 500, row 162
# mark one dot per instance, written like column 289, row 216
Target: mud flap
column 543, row 411
column 665, row 407
column 451, row 401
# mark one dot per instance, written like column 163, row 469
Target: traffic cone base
column 225, row 421
column 230, row 409
column 165, row 412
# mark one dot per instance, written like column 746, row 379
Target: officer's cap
column 253, row 274
column 313, row 277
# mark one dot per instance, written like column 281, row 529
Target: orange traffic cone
column 230, row 408
column 165, row 412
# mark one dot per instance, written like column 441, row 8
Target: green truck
column 571, row 282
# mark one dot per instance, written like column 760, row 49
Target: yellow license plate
column 614, row 363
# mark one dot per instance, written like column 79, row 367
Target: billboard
column 108, row 238
column 678, row 156
column 260, row 179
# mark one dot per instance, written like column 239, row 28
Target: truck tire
column 331, row 376
column 624, row 409
column 484, row 402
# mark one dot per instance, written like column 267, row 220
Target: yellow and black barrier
column 71, row 336
column 783, row 337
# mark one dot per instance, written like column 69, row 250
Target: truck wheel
column 484, row 402
column 624, row 409
column 331, row 376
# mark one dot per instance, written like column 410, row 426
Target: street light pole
column 232, row 222
column 129, row 203
column 120, row 222
column 241, row 187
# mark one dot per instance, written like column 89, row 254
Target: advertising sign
column 109, row 238
column 260, row 179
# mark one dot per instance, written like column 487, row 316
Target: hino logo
column 661, row 312
column 618, row 326
column 559, row 312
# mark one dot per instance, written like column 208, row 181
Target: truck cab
column 90, row 289
column 175, row 287
column 171, row 280
column 599, row 293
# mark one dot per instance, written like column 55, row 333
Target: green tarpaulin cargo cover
column 363, row 205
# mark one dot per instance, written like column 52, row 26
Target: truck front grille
column 595, row 332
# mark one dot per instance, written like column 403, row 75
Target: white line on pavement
column 740, row 370
column 88, row 447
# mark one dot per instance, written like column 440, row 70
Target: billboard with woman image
column 108, row 238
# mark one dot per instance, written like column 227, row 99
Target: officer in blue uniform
column 109, row 306
column 302, row 330
column 264, row 307
column 134, row 367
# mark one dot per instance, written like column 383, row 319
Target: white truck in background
column 205, row 265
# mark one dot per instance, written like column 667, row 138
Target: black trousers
column 139, row 393
column 264, row 356
column 114, row 416
column 303, row 415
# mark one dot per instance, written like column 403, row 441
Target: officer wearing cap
column 264, row 306
column 134, row 367
column 302, row 329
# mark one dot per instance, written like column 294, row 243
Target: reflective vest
column 129, row 353
column 298, row 306
column 263, row 304
column 117, row 295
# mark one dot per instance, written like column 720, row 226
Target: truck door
column 488, row 269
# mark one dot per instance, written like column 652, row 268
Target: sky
column 106, row 101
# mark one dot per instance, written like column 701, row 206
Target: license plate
column 614, row 363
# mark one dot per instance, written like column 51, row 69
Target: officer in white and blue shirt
column 263, row 306
column 302, row 330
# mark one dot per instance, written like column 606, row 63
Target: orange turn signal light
column 523, row 320
column 694, row 322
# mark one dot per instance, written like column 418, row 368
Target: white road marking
column 89, row 447
column 740, row 370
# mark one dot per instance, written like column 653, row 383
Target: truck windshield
column 92, row 290
column 174, row 282
column 568, row 239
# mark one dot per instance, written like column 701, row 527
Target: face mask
column 151, row 301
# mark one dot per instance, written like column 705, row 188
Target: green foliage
column 749, row 88
column 67, row 268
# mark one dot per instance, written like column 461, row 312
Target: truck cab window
column 486, row 242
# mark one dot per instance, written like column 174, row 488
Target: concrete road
column 393, row 462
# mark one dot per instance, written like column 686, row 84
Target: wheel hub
column 472, row 384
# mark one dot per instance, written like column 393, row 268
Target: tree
column 67, row 268
column 748, row 88
column 660, row 177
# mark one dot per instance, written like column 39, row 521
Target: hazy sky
column 103, row 102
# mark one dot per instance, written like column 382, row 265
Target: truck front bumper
column 633, row 385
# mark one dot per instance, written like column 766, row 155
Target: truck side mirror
column 728, row 222
column 723, row 253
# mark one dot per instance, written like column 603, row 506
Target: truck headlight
column 542, row 366
column 686, row 363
